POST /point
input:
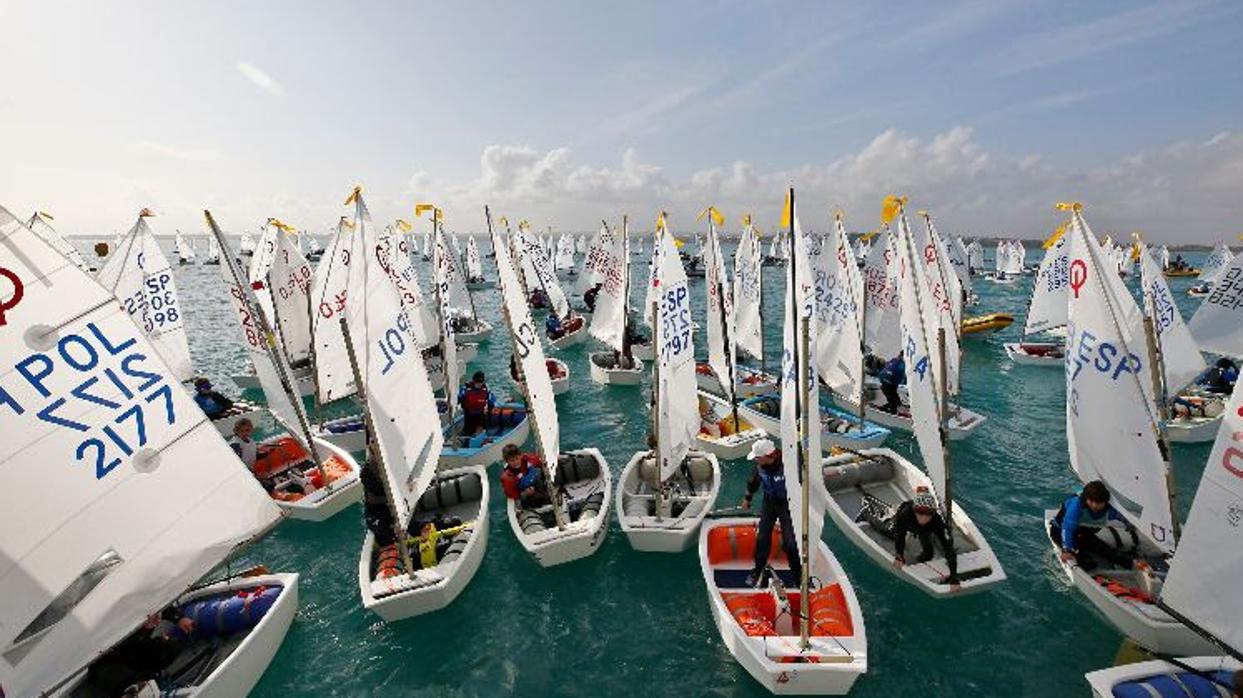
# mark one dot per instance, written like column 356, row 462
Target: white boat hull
column 451, row 457
column 730, row 447
column 327, row 502
column 303, row 376
column 481, row 333
column 561, row 384
column 616, row 376
column 978, row 567
column 829, row 440
column 432, row 589
column 841, row 659
column 670, row 533
column 578, row 539
column 1018, row 355
column 243, row 409
column 346, row 433
column 568, row 340
column 1144, row 623
column 750, row 382
column 961, row 424
column 1103, row 681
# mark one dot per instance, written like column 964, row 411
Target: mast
column 314, row 364
column 625, row 263
column 440, row 310
column 1156, row 366
column 948, row 495
column 759, row 291
column 801, row 411
column 718, row 260
column 658, row 455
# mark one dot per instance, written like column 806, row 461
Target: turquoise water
column 622, row 622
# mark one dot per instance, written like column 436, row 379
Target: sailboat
column 212, row 257
column 1196, row 589
column 1110, row 392
column 537, row 272
column 506, row 423
column 1213, row 269
column 452, row 286
column 141, row 278
column 565, row 256
column 474, row 266
column 40, row 224
column 578, row 482
column 314, row 248
column 611, row 320
column 975, row 256
column 1009, row 262
column 805, row 634
column 748, row 322
column 246, row 245
column 879, row 480
column 403, row 442
column 1046, row 310
column 183, row 249
column 152, row 501
column 308, row 476
column 664, row 493
column 721, row 431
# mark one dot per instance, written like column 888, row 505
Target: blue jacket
column 529, row 478
column 772, row 479
column 1076, row 513
column 552, row 324
column 894, row 372
column 211, row 405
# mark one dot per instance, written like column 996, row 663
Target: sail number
column 1104, row 357
column 245, row 318
column 394, row 342
column 154, row 304
column 114, row 375
column 833, row 305
column 675, row 323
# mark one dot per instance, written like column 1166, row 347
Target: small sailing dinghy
column 611, row 320
column 40, row 224
column 400, row 576
column 1197, row 589
column 960, row 423
column 505, row 424
column 183, row 249
column 1046, row 310
column 748, row 321
column 664, row 493
column 537, row 272
column 1113, row 393
column 246, row 245
column 474, row 266
column 749, row 381
column 800, row 634
column 722, row 431
column 96, row 543
column 212, row 257
column 572, row 519
column 558, row 374
column 451, row 285
column 838, row 428
column 864, row 490
column 309, row 477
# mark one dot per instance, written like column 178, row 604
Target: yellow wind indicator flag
column 678, row 243
column 1058, row 232
column 282, row 226
column 785, row 212
column 869, row 234
column 145, row 213
column 839, row 214
column 404, row 225
column 662, row 225
column 890, row 207
column 503, row 221
column 1068, row 206
column 1137, row 239
column 46, row 215
column 746, row 219
column 354, row 195
column 420, row 209
column 346, row 222
column 718, row 218
column 524, row 225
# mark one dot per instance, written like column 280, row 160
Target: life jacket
column 773, row 482
column 210, row 406
column 475, row 400
column 894, row 372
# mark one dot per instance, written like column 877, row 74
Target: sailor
column 429, row 539
column 891, row 376
column 477, row 403
column 553, row 327
column 769, row 474
column 920, row 516
column 589, row 297
column 522, row 477
column 1221, row 377
column 242, row 443
column 211, row 402
column 143, row 655
column 1074, row 530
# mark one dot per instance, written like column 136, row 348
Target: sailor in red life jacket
column 477, row 402
column 522, row 477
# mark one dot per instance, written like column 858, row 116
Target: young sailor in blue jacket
column 770, row 475
column 1078, row 522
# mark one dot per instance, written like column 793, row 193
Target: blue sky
column 985, row 113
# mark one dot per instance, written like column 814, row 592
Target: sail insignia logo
column 1234, row 515
column 19, row 290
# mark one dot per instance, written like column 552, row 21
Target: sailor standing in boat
column 770, row 475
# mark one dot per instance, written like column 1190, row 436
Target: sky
column 565, row 113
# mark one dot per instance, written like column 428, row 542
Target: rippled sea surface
column 622, row 622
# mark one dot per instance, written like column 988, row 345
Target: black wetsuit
column 904, row 522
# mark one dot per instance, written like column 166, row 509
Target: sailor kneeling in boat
column 523, row 478
column 210, row 401
column 920, row 516
column 1074, row 530
column 770, row 475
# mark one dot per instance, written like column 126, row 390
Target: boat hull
column 579, row 539
column 303, row 376
column 616, row 376
column 872, row 435
column 328, row 502
column 456, row 457
column 1019, row 354
column 668, row 534
column 243, row 409
column 1104, row 681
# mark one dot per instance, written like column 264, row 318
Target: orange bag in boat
column 749, row 610
column 729, row 543
column 727, row 427
column 389, row 562
column 829, row 613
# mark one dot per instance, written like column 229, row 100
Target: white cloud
column 261, row 79
column 181, row 153
column 1180, row 193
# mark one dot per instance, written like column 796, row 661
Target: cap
column 924, row 501
column 761, row 448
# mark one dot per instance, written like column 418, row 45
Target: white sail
column 328, row 293
column 1163, row 257
column 1200, row 583
column 530, row 354
column 839, row 297
column 404, row 419
column 598, row 252
column 920, row 342
column 183, row 249
column 246, row 309
column 720, row 311
column 608, row 323
column 580, row 245
column 653, row 269
column 975, row 255
column 395, row 252
column 141, row 278
column 1111, row 427
column 1047, row 309
column 39, row 224
column 565, row 254
column 943, row 301
column 956, row 254
column 539, row 272
column 313, row 245
column 1217, row 325
column 880, row 285
column 1217, row 262
column 289, row 283
column 798, row 351
column 112, row 481
column 748, row 328
column 1179, row 354
column 448, row 270
column 474, row 265
column 678, row 418
column 444, row 270
column 247, row 244
column 213, row 251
